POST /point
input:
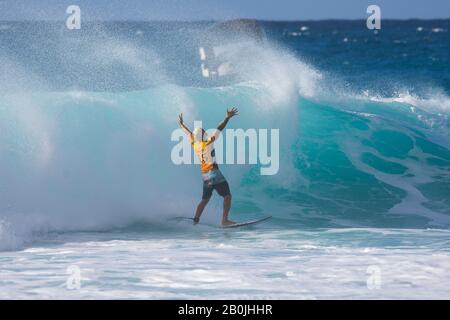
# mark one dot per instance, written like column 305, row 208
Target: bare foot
column 227, row 222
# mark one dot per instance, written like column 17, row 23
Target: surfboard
column 236, row 225
column 246, row 223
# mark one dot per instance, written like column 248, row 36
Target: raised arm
column 230, row 113
column 183, row 126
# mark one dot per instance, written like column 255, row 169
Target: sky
column 221, row 9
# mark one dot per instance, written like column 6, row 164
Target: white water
column 253, row 264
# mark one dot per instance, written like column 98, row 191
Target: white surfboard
column 235, row 225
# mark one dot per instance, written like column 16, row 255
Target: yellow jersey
column 206, row 154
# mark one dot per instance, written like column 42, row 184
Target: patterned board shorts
column 214, row 180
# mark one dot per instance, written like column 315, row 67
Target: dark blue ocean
column 86, row 176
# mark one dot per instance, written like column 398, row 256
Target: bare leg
column 226, row 210
column 201, row 206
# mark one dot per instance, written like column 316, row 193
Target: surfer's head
column 199, row 134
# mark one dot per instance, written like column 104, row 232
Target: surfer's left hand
column 232, row 112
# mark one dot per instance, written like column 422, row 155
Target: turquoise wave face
column 98, row 160
column 371, row 165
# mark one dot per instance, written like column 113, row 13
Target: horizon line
column 222, row 20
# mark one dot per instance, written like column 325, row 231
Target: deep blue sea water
column 86, row 177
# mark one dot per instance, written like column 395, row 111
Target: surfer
column 213, row 178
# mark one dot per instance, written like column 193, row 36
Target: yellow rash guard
column 206, row 153
column 212, row 178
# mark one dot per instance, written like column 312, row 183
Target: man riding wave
column 213, row 178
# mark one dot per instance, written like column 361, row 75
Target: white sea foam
column 437, row 101
column 253, row 265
